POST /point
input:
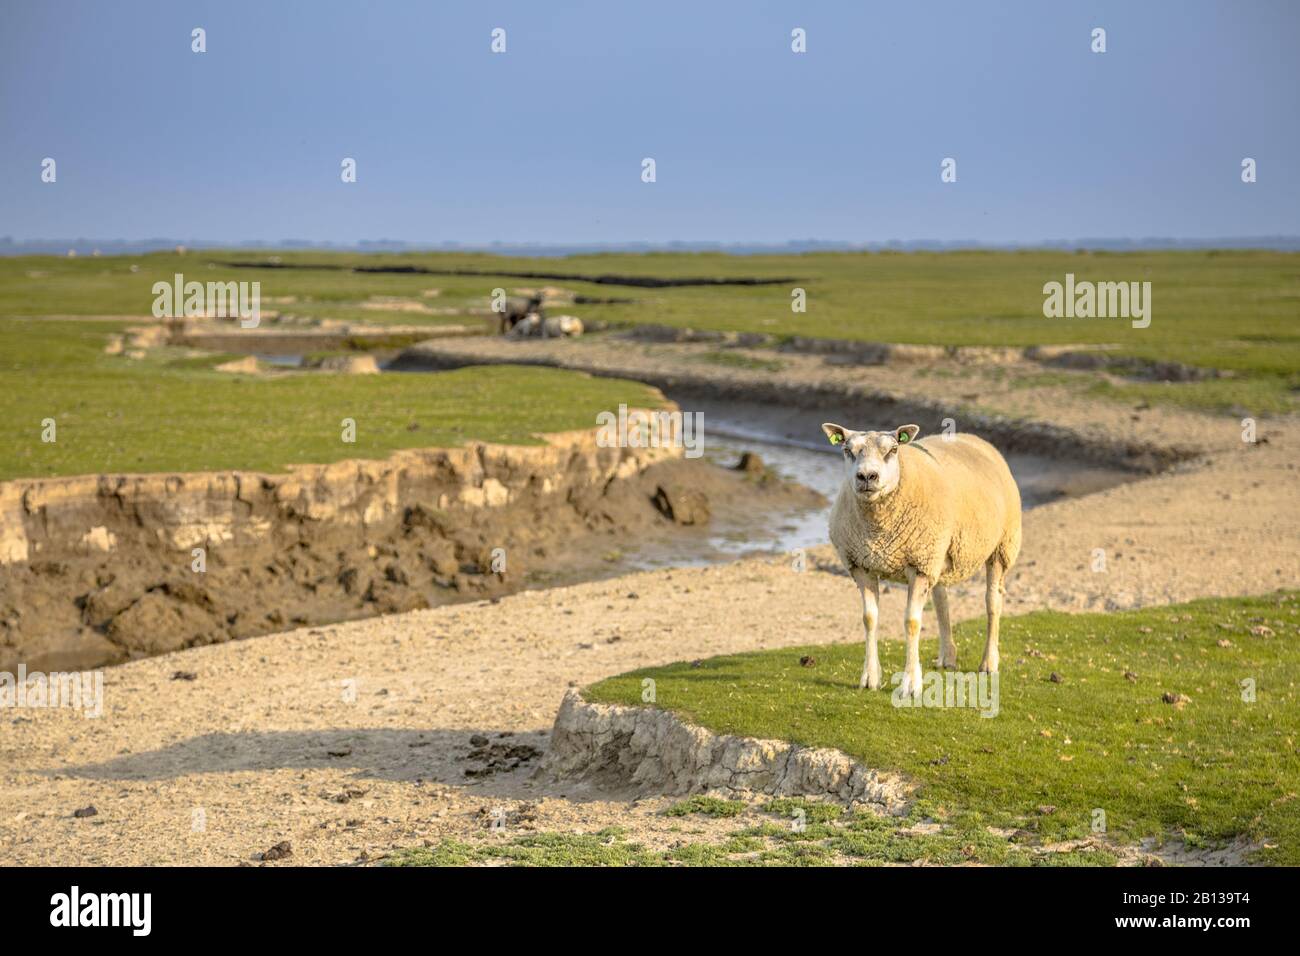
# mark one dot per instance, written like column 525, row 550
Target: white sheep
column 928, row 513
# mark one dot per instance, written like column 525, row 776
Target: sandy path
column 267, row 740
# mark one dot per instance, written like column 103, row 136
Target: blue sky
column 544, row 143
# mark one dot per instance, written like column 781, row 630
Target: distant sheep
column 551, row 327
column 518, row 310
column 927, row 513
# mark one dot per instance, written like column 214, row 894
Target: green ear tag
column 904, row 438
column 836, row 439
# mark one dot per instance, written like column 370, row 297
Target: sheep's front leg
column 869, row 585
column 993, row 604
column 947, row 648
column 918, row 587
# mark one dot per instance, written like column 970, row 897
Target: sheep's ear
column 907, row 433
column 835, row 434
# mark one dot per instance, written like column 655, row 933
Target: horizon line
column 119, row 246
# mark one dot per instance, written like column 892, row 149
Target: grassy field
column 1099, row 736
column 175, row 414
column 1238, row 311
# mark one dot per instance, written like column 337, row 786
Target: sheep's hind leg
column 918, row 587
column 947, row 648
column 993, row 604
column 869, row 585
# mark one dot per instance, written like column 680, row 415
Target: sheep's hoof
column 869, row 681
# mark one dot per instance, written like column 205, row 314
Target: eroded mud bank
column 643, row 751
column 101, row 569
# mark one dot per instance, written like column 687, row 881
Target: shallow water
column 790, row 441
column 783, row 532
column 282, row 361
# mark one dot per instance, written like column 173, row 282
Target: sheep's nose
column 870, row 476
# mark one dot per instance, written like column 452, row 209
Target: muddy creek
column 790, row 442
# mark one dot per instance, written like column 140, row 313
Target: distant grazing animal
column 929, row 513
column 517, row 310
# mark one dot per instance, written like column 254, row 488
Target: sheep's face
column 870, row 458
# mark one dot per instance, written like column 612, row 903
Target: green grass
column 1207, row 772
column 49, row 285
column 170, row 413
column 865, row 839
column 606, row 848
column 708, row 806
column 1235, row 310
column 831, row 836
column 811, row 811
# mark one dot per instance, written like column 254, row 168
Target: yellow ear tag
column 836, row 439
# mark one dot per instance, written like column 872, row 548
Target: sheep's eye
column 847, row 453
